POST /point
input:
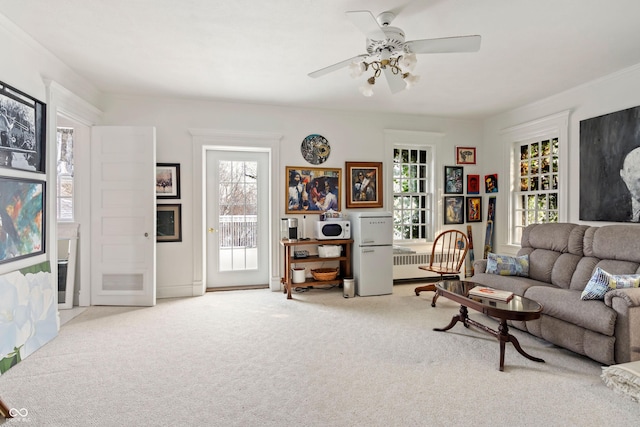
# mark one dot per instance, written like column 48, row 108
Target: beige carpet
column 253, row 358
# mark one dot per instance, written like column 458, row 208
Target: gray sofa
column 562, row 259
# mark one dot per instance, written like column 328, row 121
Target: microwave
column 340, row 229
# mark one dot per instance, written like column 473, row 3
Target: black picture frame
column 473, row 209
column 23, row 214
column 453, row 209
column 167, row 180
column 312, row 190
column 22, row 130
column 169, row 223
column 453, row 180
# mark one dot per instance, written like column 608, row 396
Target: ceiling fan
column 388, row 53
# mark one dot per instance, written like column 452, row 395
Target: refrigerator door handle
column 367, row 241
column 368, row 250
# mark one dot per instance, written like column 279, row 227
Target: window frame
column 547, row 128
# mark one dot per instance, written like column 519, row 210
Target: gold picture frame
column 312, row 190
column 364, row 184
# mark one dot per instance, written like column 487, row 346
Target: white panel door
column 123, row 216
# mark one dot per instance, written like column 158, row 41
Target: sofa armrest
column 630, row 295
column 479, row 266
column 626, row 303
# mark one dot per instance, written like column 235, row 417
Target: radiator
column 405, row 266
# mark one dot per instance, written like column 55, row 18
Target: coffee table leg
column 460, row 317
column 504, row 337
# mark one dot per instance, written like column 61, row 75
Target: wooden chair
column 447, row 256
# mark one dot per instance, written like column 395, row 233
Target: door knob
column 212, row 230
column 146, row 234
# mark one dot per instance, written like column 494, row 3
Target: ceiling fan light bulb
column 366, row 90
column 408, row 61
column 411, row 80
column 357, row 68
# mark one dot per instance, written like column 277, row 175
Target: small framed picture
column 473, row 184
column 474, row 209
column 167, row 181
column 454, row 209
column 453, row 180
column 465, row 155
column 364, row 186
column 23, row 130
column 491, row 183
column 169, row 223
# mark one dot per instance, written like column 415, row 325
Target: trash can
column 348, row 288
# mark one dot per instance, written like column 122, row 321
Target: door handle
column 212, row 230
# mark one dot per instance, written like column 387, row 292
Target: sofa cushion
column 597, row 286
column 517, row 285
column 565, row 304
column 506, row 265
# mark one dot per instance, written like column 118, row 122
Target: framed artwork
column 364, row 184
column 473, row 184
column 454, row 209
column 474, row 209
column 22, row 211
column 491, row 183
column 169, row 223
column 312, row 190
column 167, row 180
column 465, row 155
column 609, row 167
column 453, row 176
column 22, row 130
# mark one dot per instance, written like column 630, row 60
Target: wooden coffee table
column 518, row 308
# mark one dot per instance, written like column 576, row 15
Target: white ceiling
column 261, row 51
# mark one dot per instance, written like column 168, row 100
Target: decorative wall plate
column 315, row 149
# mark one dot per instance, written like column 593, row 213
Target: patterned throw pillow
column 601, row 282
column 505, row 265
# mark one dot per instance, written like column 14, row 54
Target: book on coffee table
column 495, row 294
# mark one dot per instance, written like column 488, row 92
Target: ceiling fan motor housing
column 393, row 43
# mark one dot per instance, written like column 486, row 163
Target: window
column 412, row 193
column 65, row 174
column 536, row 195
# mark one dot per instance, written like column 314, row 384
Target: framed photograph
column 474, row 209
column 364, row 184
column 312, row 190
column 22, row 211
column 465, row 155
column 473, row 184
column 453, row 180
column 491, row 183
column 169, row 223
column 22, row 130
column 454, row 209
column 167, row 180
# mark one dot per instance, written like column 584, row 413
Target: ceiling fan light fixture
column 367, row 88
column 411, row 80
column 356, row 68
column 407, row 62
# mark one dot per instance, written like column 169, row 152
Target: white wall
column 352, row 136
column 612, row 93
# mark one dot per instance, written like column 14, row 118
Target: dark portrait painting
column 608, row 184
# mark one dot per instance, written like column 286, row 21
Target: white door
column 237, row 200
column 123, row 216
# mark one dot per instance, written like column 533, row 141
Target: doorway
column 237, row 192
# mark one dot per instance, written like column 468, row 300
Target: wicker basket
column 324, row 273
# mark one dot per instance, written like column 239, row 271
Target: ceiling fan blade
column 321, row 72
column 395, row 81
column 366, row 22
column 445, row 45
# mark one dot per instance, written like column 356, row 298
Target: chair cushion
column 505, row 265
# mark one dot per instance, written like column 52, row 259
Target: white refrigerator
column 372, row 253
